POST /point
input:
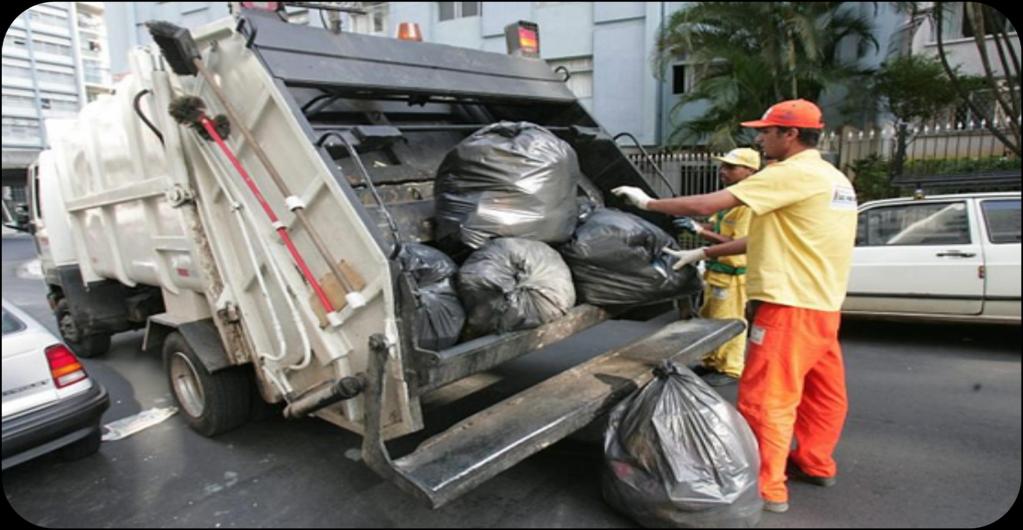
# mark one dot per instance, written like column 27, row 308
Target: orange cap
column 792, row 113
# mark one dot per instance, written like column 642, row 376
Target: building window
column 51, row 47
column 14, row 101
column 453, row 10
column 20, row 128
column 956, row 23
column 17, row 71
column 374, row 22
column 686, row 76
column 580, row 80
column 48, row 76
column 49, row 19
column 13, row 41
column 678, row 79
column 993, row 23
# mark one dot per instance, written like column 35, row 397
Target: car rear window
column 1003, row 220
column 11, row 323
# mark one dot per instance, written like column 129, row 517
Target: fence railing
column 689, row 173
column 933, row 150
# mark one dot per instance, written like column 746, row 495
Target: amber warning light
column 409, row 31
column 523, row 39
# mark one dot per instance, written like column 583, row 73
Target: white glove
column 634, row 195
column 685, row 257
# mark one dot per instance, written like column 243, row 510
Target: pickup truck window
column 1002, row 218
column 944, row 223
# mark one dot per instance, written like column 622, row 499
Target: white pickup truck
column 941, row 258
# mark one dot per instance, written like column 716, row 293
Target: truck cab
column 938, row 258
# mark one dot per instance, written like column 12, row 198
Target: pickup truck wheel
column 88, row 346
column 213, row 403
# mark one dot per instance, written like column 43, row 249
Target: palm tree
column 750, row 55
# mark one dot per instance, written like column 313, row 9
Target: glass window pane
column 447, row 10
column 918, row 224
column 1003, row 220
column 470, row 9
column 10, row 323
column 678, row 79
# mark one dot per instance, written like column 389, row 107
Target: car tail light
column 64, row 366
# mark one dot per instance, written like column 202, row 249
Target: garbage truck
column 256, row 246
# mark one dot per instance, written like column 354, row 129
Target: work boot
column 776, row 507
column 797, row 473
column 719, row 379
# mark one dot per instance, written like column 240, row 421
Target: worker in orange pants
column 794, row 383
column 799, row 253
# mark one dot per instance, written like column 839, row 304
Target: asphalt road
column 932, row 440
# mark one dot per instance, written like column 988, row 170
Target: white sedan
column 49, row 402
column 940, row 258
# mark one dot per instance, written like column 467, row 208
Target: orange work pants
column 793, row 383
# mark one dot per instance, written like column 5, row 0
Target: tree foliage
column 913, row 87
column 751, row 55
column 983, row 21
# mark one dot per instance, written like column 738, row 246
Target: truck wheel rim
column 68, row 328
column 186, row 385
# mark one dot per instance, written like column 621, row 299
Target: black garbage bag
column 678, row 455
column 512, row 284
column 439, row 313
column 617, row 258
column 507, row 180
column 588, row 200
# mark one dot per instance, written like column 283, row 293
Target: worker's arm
column 685, row 257
column 714, row 237
column 705, row 204
column 730, row 248
column 703, row 230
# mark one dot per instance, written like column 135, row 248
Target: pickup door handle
column 957, row 254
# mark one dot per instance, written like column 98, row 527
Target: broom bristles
column 187, row 110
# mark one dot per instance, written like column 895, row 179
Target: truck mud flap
column 479, row 447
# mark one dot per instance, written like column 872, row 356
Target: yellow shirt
column 734, row 223
column 802, row 233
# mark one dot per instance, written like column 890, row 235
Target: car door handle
column 956, row 254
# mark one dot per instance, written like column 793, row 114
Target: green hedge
column 872, row 181
column 965, row 166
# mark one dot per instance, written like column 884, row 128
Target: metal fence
column 933, row 149
column 688, row 173
column 947, row 154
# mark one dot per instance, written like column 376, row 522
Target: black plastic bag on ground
column 507, row 180
column 439, row 313
column 676, row 454
column 512, row 284
column 617, row 258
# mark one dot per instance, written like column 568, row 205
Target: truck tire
column 213, row 403
column 88, row 346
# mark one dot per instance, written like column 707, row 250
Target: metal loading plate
column 491, row 441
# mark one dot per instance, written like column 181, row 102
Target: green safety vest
column 717, row 266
